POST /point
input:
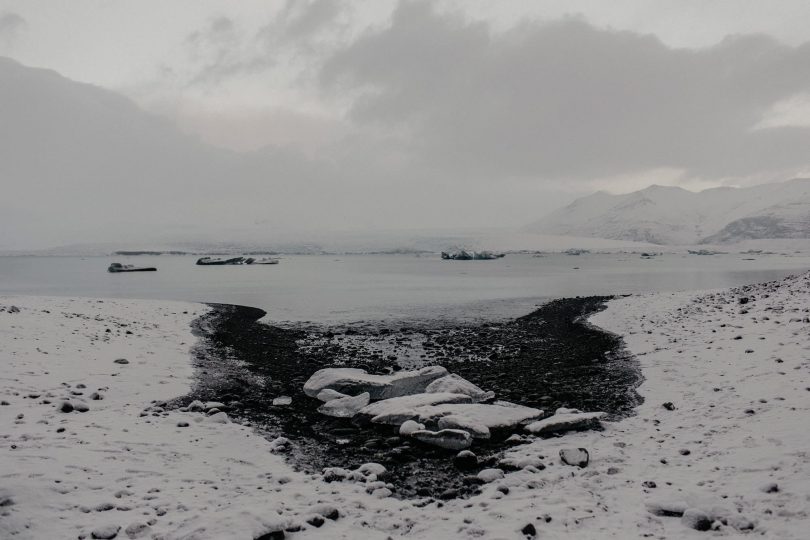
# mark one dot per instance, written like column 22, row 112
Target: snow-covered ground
column 734, row 443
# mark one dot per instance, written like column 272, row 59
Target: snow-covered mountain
column 672, row 215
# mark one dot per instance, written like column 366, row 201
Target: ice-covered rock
column 328, row 395
column 345, row 407
column 452, row 439
column 490, row 475
column 565, row 420
column 455, row 384
column 218, row 418
column 353, row 381
column 397, row 410
column 105, row 532
column 667, row 508
column 576, row 457
column 477, row 418
column 282, row 401
column 408, row 427
column 697, row 519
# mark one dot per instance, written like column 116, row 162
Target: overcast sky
column 443, row 114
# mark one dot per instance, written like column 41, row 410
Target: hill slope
column 672, row 215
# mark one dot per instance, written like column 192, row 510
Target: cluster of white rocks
column 432, row 406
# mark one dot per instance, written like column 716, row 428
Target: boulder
column 408, row 427
column 565, row 420
column 696, row 519
column 451, row 439
column 345, row 407
column 576, row 457
column 353, row 381
column 454, row 384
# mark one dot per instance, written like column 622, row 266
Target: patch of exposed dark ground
column 548, row 359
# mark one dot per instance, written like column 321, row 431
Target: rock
column 315, row 521
column 65, row 406
column 106, row 532
column 395, row 411
column 565, row 420
column 576, row 457
column 136, row 530
column 741, row 523
column 104, row 507
column 213, row 405
column 454, row 384
column 669, row 406
column 327, row 510
column 382, row 493
column 696, row 519
column 80, row 406
column 408, row 427
column 345, row 407
column 353, row 381
column 219, row 418
column 196, row 406
column 667, row 508
column 122, row 361
column 771, row 487
column 328, row 395
column 281, row 401
column 490, row 475
column 182, row 424
column 529, row 530
column 451, row 439
column 96, row 396
column 280, row 444
column 369, row 470
column 465, row 460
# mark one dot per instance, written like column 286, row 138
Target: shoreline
column 547, row 359
column 741, row 415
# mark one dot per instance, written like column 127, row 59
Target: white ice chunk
column 353, row 381
column 345, row 407
column 565, row 421
column 397, row 410
column 455, row 384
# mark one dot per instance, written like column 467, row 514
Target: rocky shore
column 549, row 359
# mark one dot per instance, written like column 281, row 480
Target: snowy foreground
column 732, row 443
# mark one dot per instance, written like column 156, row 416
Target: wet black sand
column 550, row 358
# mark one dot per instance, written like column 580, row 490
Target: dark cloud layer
column 567, row 100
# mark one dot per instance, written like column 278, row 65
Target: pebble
column 529, row 530
column 66, row 406
column 465, row 460
column 122, row 361
column 136, row 530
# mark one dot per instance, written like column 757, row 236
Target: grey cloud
column 567, row 100
column 11, row 26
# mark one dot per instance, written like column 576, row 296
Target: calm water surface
column 334, row 289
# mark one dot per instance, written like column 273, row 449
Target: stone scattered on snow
column 369, row 469
column 697, row 519
column 397, row 410
column 345, row 407
column 408, row 427
column 282, row 400
column 667, row 508
column 213, row 405
column 196, row 406
column 280, row 444
column 328, row 395
column 121, row 361
column 451, row 439
column 106, row 532
column 65, row 406
column 353, row 381
column 490, row 475
column 454, row 384
column 565, row 420
column 576, row 457
column 80, row 406
column 219, row 418
column 465, row 460
column 137, row 530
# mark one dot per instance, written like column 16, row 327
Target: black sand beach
column 548, row 359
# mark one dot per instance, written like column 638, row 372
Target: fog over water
column 330, row 288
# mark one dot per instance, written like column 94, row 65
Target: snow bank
column 722, row 436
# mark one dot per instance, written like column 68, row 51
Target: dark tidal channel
column 548, row 359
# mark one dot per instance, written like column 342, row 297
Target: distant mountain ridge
column 671, row 215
